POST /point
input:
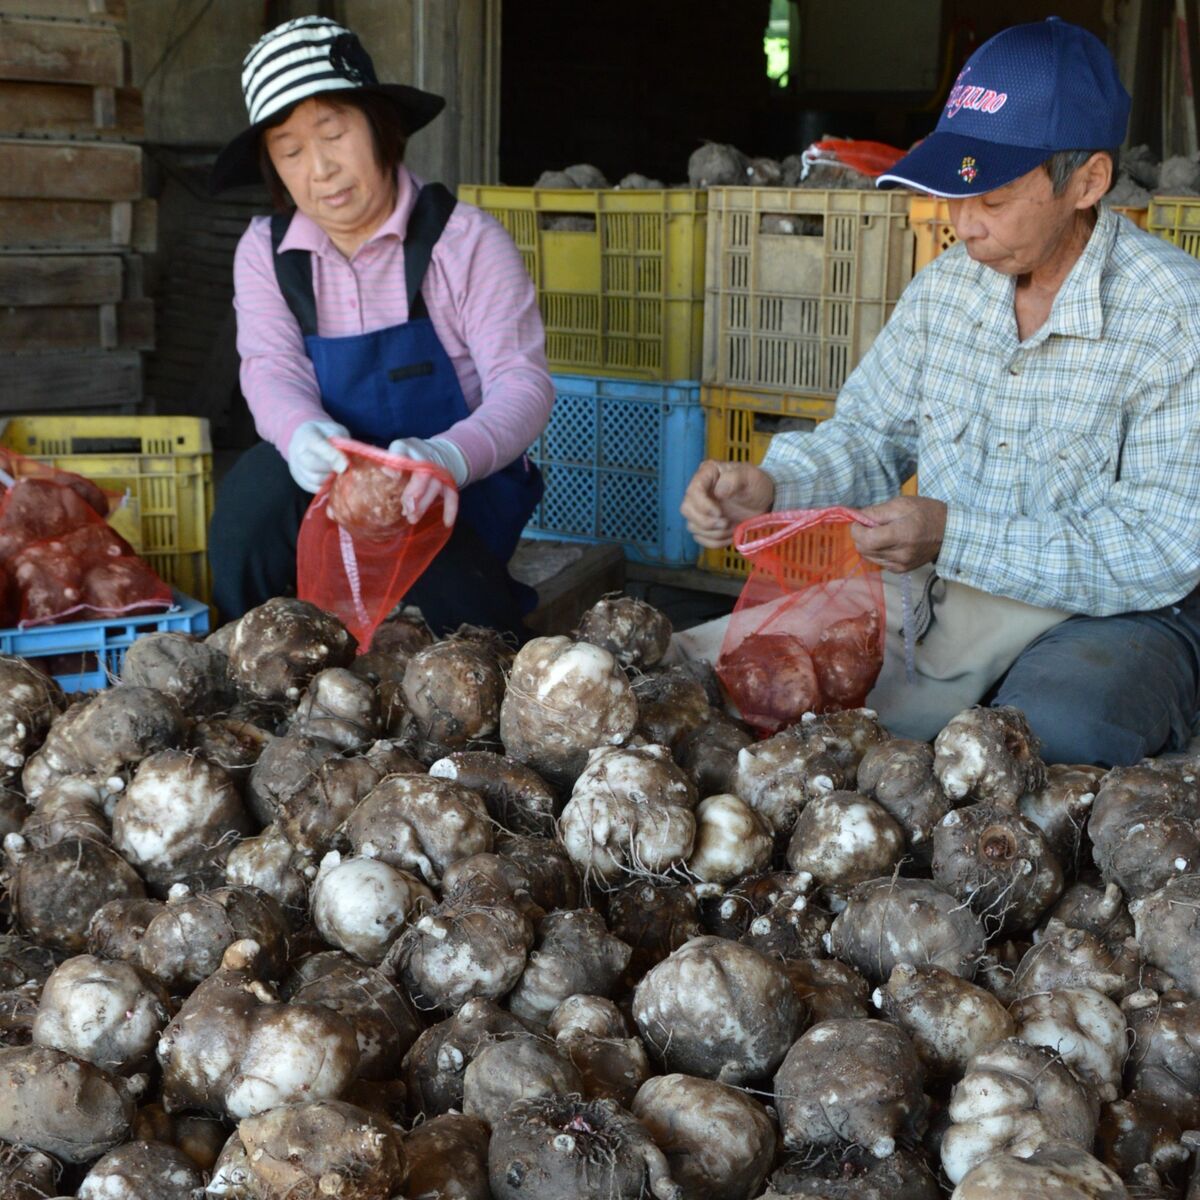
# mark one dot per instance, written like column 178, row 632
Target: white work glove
column 423, row 490
column 311, row 456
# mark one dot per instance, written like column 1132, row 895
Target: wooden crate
column 62, row 52
column 79, row 225
column 66, row 10
column 70, row 382
column 128, row 325
column 49, row 170
column 69, row 110
column 33, row 280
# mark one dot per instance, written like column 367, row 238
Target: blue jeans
column 1110, row 690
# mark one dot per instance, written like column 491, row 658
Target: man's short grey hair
column 1061, row 165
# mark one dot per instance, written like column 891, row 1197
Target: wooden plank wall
column 74, row 320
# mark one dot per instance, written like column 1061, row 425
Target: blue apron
column 399, row 382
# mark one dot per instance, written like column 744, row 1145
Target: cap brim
column 237, row 164
column 954, row 167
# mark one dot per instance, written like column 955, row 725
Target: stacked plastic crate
column 798, row 284
column 73, row 316
column 620, row 283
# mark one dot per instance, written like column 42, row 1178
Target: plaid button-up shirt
column 1069, row 463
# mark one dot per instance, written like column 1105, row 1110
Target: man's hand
column 720, row 496
column 909, row 533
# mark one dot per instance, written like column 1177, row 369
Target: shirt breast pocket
column 948, row 455
column 1068, row 469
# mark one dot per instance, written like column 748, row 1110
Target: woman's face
column 325, row 156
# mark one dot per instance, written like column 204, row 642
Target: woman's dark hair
column 387, row 135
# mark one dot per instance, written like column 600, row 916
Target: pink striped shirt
column 480, row 299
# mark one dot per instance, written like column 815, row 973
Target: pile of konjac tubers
column 447, row 921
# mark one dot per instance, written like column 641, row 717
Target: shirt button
column 353, row 303
column 1003, row 446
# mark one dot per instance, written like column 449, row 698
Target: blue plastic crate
column 99, row 646
column 617, row 456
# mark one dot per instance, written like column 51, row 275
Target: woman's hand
column 422, row 489
column 720, row 496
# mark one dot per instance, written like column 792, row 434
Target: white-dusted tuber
column 102, row 738
column 635, row 633
column 853, row 1173
column 272, row 864
column 339, row 707
column 574, row 953
column 717, row 1009
column 233, row 1049
column 709, row 753
column 719, row 1142
column 323, row 1148
column 453, row 691
column 517, row 797
column 732, row 841
column 777, row 777
column 141, row 1170
column 671, row 705
column 1074, row 958
column 1061, row 806
column 419, row 824
column 29, row 702
column 1059, row 1171
column 1168, row 930
column 890, row 921
column 447, row 1156
column 278, row 647
column 461, row 950
column 551, row 1147
column 71, row 808
column 563, row 699
column 989, row 755
column 844, row 838
column 108, row 1013
column 856, row 1082
column 195, row 674
column 999, row 862
column 1014, row 1098
column 653, row 919
column 52, row 1102
column 1099, row 910
column 1143, row 828
column 898, row 775
column 28, row 1174
column 1084, row 1028
column 178, row 819
column 948, row 1019
column 828, row 989
column 1164, row 1053
column 361, row 905
column 630, row 812
column 516, row 1068
column 612, row 1066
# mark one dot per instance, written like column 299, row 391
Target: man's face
column 1018, row 227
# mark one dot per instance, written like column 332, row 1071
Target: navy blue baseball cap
column 1025, row 94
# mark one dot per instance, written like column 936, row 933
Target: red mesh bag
column 61, row 561
column 807, row 632
column 357, row 555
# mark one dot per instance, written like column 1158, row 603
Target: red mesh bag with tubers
column 807, row 632
column 358, row 554
column 59, row 559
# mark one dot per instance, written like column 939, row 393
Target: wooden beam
column 126, row 326
column 40, row 382
column 29, row 281
column 78, row 225
column 69, row 170
column 61, row 52
column 66, row 10
column 65, row 110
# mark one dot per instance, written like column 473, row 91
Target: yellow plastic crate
column 738, row 427
column 621, row 295
column 798, row 284
column 163, row 463
column 1177, row 220
column 929, row 217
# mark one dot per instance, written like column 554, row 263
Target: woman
column 373, row 307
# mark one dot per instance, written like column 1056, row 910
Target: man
column 1044, row 376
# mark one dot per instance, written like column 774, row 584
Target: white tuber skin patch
column 1086, row 1029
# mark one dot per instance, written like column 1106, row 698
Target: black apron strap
column 293, row 273
column 293, row 268
column 429, row 216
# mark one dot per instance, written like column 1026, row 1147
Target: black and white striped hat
column 307, row 57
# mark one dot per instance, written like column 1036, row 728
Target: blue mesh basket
column 617, row 456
